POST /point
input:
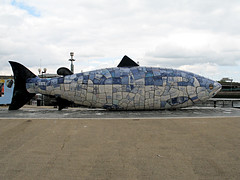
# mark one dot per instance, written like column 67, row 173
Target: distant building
column 6, row 89
column 229, row 89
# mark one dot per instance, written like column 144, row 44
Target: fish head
column 207, row 88
column 214, row 89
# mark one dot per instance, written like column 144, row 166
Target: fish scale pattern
column 136, row 88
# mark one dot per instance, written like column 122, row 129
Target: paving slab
column 130, row 148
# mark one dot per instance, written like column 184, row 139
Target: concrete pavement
column 170, row 148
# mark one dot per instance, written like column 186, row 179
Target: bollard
column 215, row 104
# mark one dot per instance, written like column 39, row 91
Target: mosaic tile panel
column 135, row 88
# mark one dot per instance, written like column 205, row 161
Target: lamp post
column 72, row 66
column 44, row 71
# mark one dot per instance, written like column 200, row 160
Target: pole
column 44, row 71
column 72, row 66
column 42, row 94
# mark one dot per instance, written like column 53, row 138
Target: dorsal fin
column 63, row 71
column 127, row 62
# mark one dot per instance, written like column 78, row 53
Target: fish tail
column 20, row 94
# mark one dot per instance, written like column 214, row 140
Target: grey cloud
column 103, row 29
column 177, row 56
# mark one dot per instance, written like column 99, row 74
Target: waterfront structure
column 230, row 89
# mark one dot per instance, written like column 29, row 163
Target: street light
column 40, row 71
column 72, row 66
column 44, row 71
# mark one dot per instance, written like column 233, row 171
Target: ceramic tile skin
column 136, row 88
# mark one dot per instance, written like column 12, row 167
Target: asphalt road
column 130, row 148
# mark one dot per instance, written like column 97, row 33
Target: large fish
column 126, row 87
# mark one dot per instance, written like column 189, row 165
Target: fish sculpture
column 125, row 87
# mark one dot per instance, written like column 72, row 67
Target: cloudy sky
column 201, row 36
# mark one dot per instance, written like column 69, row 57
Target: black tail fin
column 20, row 94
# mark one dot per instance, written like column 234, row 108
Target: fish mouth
column 216, row 88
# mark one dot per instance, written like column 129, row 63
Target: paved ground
column 166, row 148
column 50, row 112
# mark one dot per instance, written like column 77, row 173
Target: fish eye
column 210, row 86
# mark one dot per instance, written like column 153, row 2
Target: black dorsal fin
column 127, row 62
column 63, row 71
